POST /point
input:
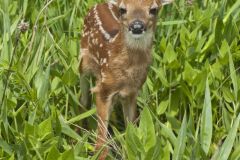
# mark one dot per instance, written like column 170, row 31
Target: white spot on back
column 103, row 76
column 110, row 6
column 109, row 53
column 104, row 60
column 99, row 23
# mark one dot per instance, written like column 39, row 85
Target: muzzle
column 137, row 27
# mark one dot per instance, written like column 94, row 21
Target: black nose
column 137, row 27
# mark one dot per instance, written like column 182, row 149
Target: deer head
column 138, row 19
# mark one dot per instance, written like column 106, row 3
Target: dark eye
column 122, row 11
column 153, row 11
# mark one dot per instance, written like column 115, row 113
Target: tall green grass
column 189, row 105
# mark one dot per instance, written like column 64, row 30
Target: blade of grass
column 226, row 148
column 82, row 116
column 206, row 121
column 231, row 10
column 181, row 140
column 233, row 75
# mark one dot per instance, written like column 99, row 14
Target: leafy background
column 189, row 105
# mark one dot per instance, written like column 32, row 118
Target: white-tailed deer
column 116, row 48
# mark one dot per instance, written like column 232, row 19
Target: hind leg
column 87, row 67
column 129, row 108
column 86, row 97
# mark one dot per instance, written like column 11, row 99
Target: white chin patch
column 139, row 41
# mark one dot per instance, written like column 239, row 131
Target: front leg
column 103, row 111
column 129, row 108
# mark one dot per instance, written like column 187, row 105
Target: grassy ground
column 189, row 105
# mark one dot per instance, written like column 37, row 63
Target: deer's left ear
column 165, row 2
column 113, row 1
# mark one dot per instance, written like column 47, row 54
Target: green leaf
column 147, row 129
column 149, row 84
column 189, row 73
column 175, row 123
column 206, row 121
column 53, row 153
column 56, row 19
column 216, row 70
column 133, row 143
column 42, row 84
column 226, row 148
column 162, row 107
column 118, row 135
column 169, row 55
column 208, row 44
column 181, row 140
column 236, row 153
column 184, row 36
column 168, row 133
column 154, row 152
column 68, row 155
column 29, row 129
column 82, row 116
column 231, row 10
column 175, row 22
column 69, row 77
column 227, row 119
column 227, row 94
column 67, row 130
column 161, row 75
column 45, row 128
column 5, row 146
column 224, row 49
column 12, row 157
column 233, row 75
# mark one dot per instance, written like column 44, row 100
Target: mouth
column 137, row 35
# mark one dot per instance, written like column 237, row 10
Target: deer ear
column 165, row 2
column 156, row 4
column 113, row 1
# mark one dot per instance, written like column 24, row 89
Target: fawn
column 116, row 49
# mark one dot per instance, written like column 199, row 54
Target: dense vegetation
column 189, row 105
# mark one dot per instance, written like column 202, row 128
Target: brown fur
column 118, row 61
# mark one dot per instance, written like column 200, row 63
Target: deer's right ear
column 165, row 2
